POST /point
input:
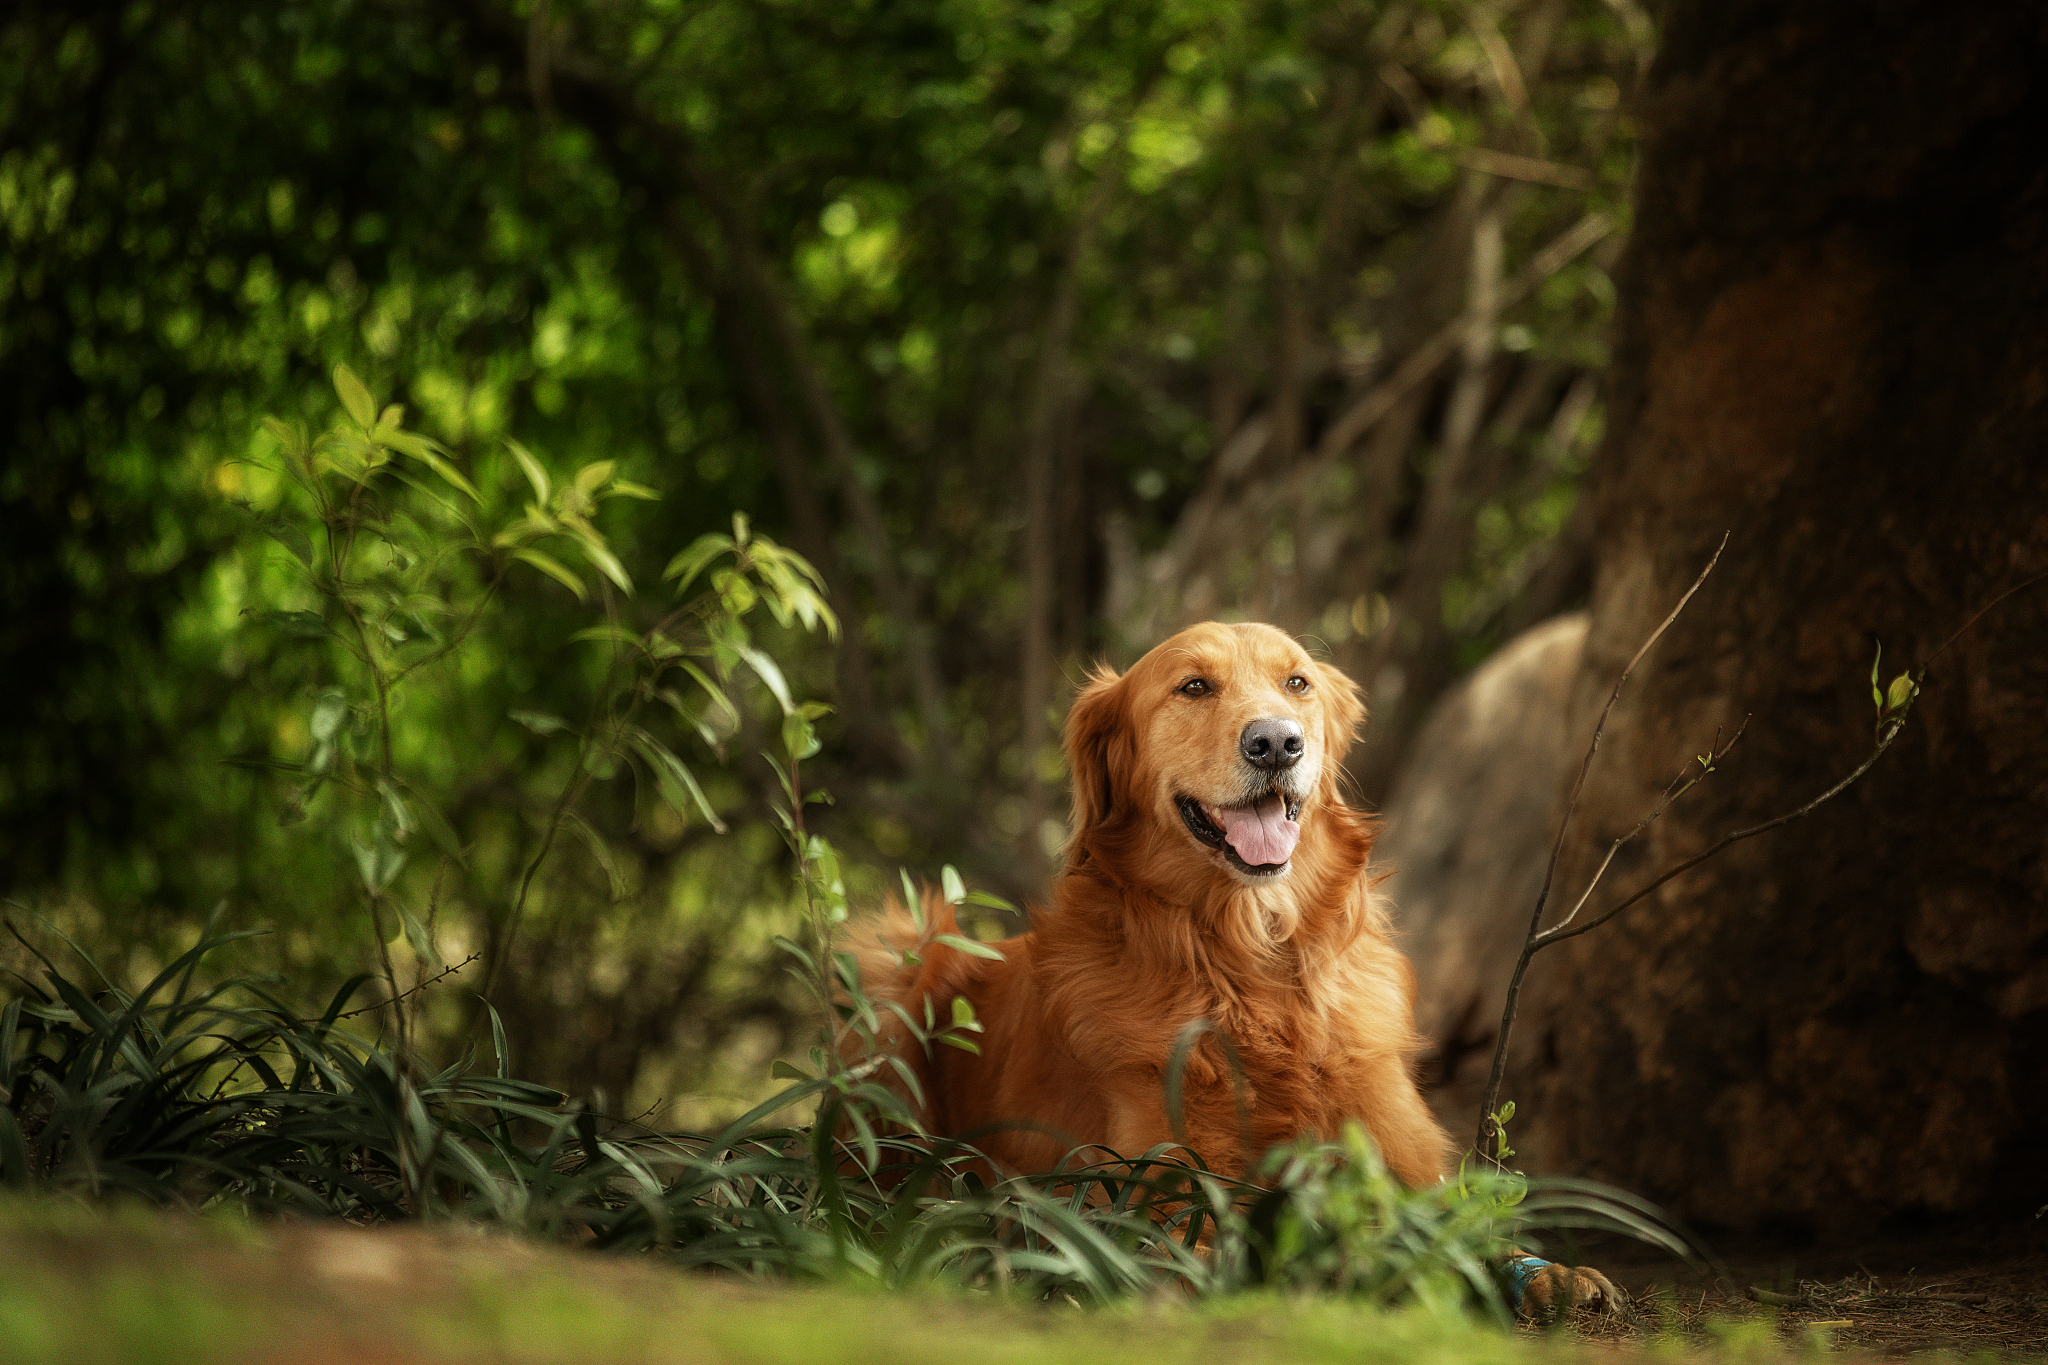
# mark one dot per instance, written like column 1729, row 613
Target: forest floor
column 1964, row 1288
column 83, row 1287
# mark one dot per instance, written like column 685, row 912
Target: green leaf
column 602, row 852
column 355, row 397
column 379, row 861
column 607, row 634
column 307, row 625
column 555, row 569
column 770, row 674
column 431, row 455
column 535, row 475
column 667, row 766
column 949, row 881
column 798, row 738
column 600, row 554
column 329, row 709
column 1902, row 691
column 436, row 825
column 969, row 947
column 291, row 439
column 293, row 537
column 539, row 722
column 782, row 1070
column 992, row 901
column 685, row 567
column 625, row 488
column 963, row 1014
column 416, row 935
column 1876, row 697
column 797, row 951
column 592, row 476
column 911, row 900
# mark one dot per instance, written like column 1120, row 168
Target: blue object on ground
column 1522, row 1269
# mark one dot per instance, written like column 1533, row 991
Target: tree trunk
column 1830, row 342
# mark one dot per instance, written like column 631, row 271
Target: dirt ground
column 1967, row 1287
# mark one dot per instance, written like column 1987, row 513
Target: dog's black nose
column 1274, row 743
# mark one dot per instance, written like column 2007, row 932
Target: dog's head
column 1214, row 748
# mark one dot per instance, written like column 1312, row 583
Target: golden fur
column 1151, row 928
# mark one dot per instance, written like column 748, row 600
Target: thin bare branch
column 1507, row 1018
column 1680, row 785
column 415, row 989
column 1559, row 932
column 2028, row 583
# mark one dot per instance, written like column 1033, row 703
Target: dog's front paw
column 1544, row 1290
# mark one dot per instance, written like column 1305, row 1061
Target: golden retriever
column 1213, row 872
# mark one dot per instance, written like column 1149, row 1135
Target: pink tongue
column 1262, row 834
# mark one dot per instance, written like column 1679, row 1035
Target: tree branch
column 1891, row 722
column 1507, row 1019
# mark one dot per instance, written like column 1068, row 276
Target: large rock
column 1469, row 827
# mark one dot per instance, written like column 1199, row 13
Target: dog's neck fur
column 1228, row 937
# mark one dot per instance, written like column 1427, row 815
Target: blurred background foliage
column 1040, row 329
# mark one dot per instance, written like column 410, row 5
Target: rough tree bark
column 1831, row 341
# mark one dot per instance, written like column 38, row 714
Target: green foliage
column 798, row 260
column 414, row 701
column 197, row 1094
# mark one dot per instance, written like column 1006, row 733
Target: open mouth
column 1256, row 838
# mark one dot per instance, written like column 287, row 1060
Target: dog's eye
column 1297, row 684
column 1194, row 687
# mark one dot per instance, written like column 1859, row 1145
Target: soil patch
column 1962, row 1287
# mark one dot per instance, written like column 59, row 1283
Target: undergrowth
column 202, row 1094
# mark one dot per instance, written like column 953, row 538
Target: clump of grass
column 203, row 1095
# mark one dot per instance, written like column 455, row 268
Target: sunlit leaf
column 553, row 568
column 771, row 673
column 685, row 567
column 354, row 396
column 329, row 709
column 911, row 900
column 591, row 477
column 539, row 722
column 970, row 947
column 431, row 455
column 535, row 475
column 798, row 738
column 954, row 888
column 598, row 553
column 1902, row 691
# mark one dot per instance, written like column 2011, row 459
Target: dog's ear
column 1098, row 746
column 1343, row 710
